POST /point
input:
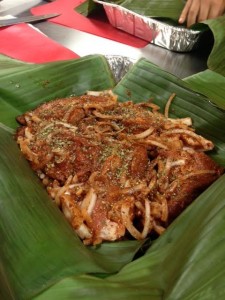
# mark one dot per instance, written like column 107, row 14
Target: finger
column 193, row 13
column 184, row 13
column 204, row 12
column 216, row 10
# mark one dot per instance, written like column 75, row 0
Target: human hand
column 199, row 10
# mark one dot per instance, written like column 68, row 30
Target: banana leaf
column 217, row 56
column 32, row 84
column 210, row 84
column 86, row 8
column 169, row 9
column 23, row 87
column 41, row 257
column 23, row 199
column 186, row 263
column 211, row 81
column 146, row 81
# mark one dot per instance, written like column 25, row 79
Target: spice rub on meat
column 116, row 170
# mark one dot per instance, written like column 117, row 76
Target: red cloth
column 24, row 43
column 99, row 25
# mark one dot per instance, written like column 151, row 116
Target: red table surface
column 98, row 25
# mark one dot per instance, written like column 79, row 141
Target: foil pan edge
column 155, row 32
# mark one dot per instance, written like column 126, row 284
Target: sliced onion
column 110, row 231
column 182, row 121
column 170, row 164
column 208, row 145
column 143, row 134
column 167, row 107
column 125, row 213
column 155, row 143
column 83, row 232
column 147, row 220
column 109, row 117
column 133, row 189
column 89, row 202
column 197, row 173
column 158, row 228
column 28, row 134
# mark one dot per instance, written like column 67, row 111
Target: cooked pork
column 116, row 170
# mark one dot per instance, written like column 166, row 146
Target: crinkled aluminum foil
column 119, row 65
column 156, row 32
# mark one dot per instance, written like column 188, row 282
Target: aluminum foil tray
column 158, row 33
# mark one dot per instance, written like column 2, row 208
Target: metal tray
column 174, row 38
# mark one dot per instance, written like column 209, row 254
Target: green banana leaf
column 23, row 87
column 167, row 9
column 217, row 56
column 41, row 257
column 146, row 80
column 186, row 263
column 211, row 81
column 86, row 8
column 27, row 213
column 210, row 84
column 170, row 9
column 33, row 84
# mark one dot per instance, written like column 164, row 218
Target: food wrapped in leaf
column 185, row 262
column 116, row 170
